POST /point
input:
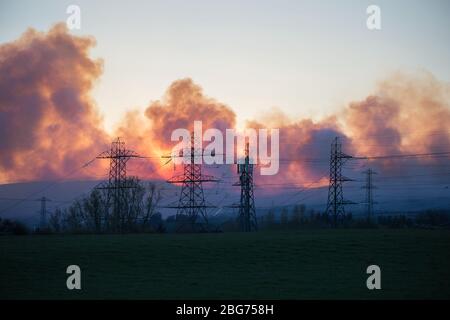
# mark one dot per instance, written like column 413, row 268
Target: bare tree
column 284, row 217
column 270, row 218
column 55, row 222
column 73, row 218
column 151, row 202
column 93, row 212
column 98, row 213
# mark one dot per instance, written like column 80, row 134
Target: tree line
column 135, row 210
column 109, row 210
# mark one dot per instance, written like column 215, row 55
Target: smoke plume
column 48, row 121
column 50, row 124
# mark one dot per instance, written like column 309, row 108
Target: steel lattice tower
column 336, row 202
column 43, row 220
column 117, row 181
column 369, row 193
column 247, row 212
column 191, row 204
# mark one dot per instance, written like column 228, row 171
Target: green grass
column 305, row 264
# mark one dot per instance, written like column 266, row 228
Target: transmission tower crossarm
column 123, row 154
column 188, row 206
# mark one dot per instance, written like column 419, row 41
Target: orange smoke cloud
column 408, row 114
column 182, row 104
column 48, row 121
column 51, row 125
column 304, row 148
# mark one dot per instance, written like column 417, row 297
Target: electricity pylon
column 43, row 220
column 191, row 205
column 336, row 202
column 118, row 182
column 369, row 193
column 247, row 212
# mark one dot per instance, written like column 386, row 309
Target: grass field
column 305, row 264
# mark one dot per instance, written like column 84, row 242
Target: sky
column 306, row 58
column 385, row 93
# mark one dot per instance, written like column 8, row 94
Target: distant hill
column 221, row 195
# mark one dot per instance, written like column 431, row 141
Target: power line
column 53, row 183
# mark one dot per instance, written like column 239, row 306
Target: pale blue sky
column 309, row 58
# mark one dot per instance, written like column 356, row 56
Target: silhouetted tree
column 55, row 221
column 284, row 217
column 98, row 213
column 270, row 218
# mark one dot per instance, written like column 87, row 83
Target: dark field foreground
column 305, row 264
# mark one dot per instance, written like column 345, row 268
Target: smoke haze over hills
column 51, row 125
